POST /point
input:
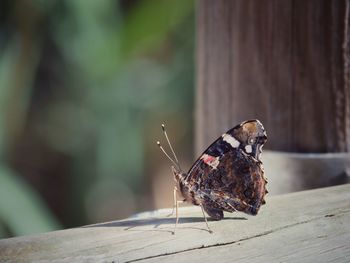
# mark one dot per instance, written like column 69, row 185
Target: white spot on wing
column 231, row 140
column 248, row 149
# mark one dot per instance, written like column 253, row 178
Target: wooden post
column 283, row 62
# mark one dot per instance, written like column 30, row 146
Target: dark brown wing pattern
column 227, row 178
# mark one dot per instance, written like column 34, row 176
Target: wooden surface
column 318, row 170
column 284, row 62
column 310, row 226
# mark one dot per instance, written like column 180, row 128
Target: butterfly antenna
column 167, row 138
column 171, row 147
column 167, row 155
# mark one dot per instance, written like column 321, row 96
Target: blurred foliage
column 82, row 83
column 17, row 197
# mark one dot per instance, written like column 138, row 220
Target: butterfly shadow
column 131, row 224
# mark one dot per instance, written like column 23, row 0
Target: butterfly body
column 229, row 175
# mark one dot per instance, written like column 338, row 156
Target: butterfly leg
column 177, row 212
column 175, row 200
column 176, row 208
column 205, row 218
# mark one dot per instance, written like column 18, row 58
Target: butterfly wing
column 229, row 175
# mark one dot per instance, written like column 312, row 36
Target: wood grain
column 283, row 62
column 309, row 226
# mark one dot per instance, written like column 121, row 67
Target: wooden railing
column 308, row 226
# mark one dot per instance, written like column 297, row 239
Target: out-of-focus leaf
column 6, row 66
column 92, row 30
column 21, row 209
column 149, row 23
column 16, row 81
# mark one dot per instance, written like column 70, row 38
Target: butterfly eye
column 251, row 141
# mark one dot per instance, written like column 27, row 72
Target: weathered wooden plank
column 325, row 239
column 310, row 225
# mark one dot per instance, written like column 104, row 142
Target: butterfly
column 228, row 176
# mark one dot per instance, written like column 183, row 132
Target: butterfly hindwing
column 234, row 187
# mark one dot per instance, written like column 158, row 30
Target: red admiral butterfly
column 228, row 176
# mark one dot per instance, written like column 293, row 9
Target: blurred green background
column 84, row 87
